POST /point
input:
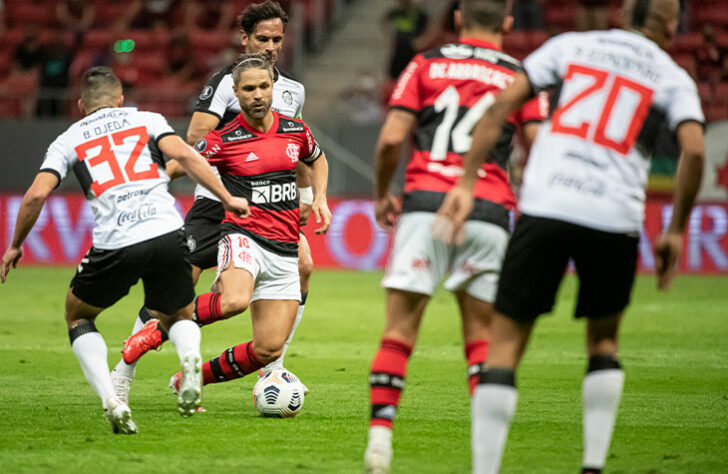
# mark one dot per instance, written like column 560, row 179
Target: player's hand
column 322, row 214
column 238, row 206
column 10, row 259
column 387, row 210
column 667, row 250
column 305, row 213
column 449, row 223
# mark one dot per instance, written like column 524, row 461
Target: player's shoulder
column 466, row 51
column 233, row 132
column 288, row 80
column 222, row 76
column 288, row 124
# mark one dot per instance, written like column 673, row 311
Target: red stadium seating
column 686, row 43
column 25, row 13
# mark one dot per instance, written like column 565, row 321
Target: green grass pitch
column 673, row 417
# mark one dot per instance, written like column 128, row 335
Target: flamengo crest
column 293, row 150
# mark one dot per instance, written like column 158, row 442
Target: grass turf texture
column 673, row 417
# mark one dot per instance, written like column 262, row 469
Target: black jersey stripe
column 287, row 249
column 483, row 210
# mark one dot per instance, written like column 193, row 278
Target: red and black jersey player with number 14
column 256, row 155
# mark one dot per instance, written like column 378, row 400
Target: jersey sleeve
column 406, row 93
column 217, row 95
column 211, row 147
column 57, row 160
column 543, row 66
column 310, row 151
column 157, row 126
column 535, row 110
column 299, row 109
column 683, row 104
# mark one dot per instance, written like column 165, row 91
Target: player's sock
column 145, row 315
column 129, row 370
column 185, row 335
column 476, row 353
column 387, row 381
column 278, row 363
column 91, row 352
column 207, row 308
column 493, row 405
column 601, row 391
column 233, row 363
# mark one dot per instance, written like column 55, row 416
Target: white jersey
column 218, row 99
column 113, row 152
column 613, row 91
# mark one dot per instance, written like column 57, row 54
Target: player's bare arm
column 458, row 202
column 195, row 165
column 30, row 208
column 688, row 177
column 396, row 129
column 320, row 206
column 200, row 125
column 304, row 181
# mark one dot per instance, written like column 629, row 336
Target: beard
column 257, row 110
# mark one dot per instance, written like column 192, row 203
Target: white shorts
column 418, row 262
column 276, row 276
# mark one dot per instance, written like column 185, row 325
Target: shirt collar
column 479, row 43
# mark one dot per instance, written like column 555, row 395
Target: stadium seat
column 560, row 18
column 537, row 38
column 106, row 13
column 705, row 91
column 148, row 40
column 716, row 14
column 210, row 42
column 23, row 13
column 97, row 39
column 720, row 94
column 17, row 94
column 686, row 43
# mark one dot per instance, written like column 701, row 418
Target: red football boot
column 149, row 337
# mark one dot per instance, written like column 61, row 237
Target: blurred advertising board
column 62, row 234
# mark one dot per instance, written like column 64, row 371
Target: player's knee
column 234, row 304
column 305, row 268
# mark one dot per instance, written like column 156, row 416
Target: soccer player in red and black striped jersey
column 256, row 155
column 439, row 97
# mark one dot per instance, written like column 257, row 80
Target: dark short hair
column 251, row 61
column 257, row 12
column 486, row 14
column 98, row 85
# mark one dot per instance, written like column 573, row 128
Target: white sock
column 185, row 335
column 122, row 368
column 493, row 406
column 278, row 363
column 601, row 392
column 90, row 350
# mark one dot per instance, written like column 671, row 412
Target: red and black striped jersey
column 260, row 166
column 448, row 89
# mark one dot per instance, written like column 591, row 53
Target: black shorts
column 105, row 276
column 202, row 225
column 538, row 255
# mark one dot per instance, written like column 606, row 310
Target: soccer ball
column 278, row 394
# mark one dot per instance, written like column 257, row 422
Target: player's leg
column 102, row 279
column 533, row 268
column 476, row 315
column 388, row 373
column 606, row 265
column 601, row 391
column 168, row 293
column 416, row 266
column 202, row 229
column 474, row 280
column 305, row 268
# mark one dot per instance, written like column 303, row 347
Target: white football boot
column 119, row 416
column 189, row 393
column 378, row 454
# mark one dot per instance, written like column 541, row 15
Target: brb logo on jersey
column 293, row 151
column 266, row 193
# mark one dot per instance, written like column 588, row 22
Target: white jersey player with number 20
column 583, row 199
